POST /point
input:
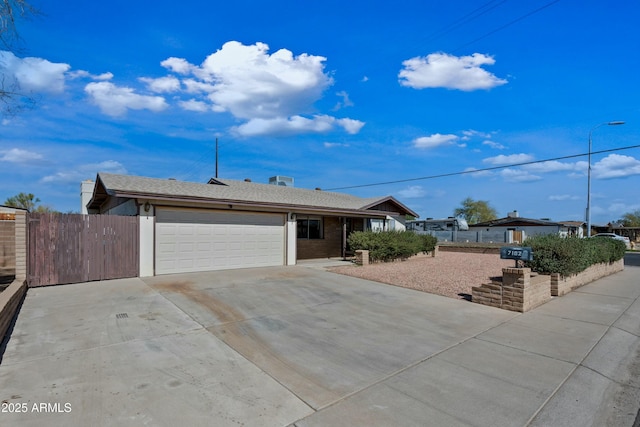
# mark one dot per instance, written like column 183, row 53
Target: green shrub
column 429, row 242
column 567, row 256
column 390, row 245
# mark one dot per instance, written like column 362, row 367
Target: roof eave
column 394, row 200
column 243, row 203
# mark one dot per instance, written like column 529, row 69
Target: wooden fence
column 73, row 248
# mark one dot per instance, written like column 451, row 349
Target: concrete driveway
column 302, row 346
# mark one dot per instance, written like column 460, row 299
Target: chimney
column 86, row 193
column 513, row 214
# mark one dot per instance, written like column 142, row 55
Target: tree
column 475, row 211
column 28, row 202
column 631, row 219
column 11, row 11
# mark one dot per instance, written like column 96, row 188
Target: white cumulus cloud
column 85, row 74
column 32, row 74
column 273, row 93
column 351, row 126
column 295, row 125
column 178, row 65
column 478, row 173
column 194, row 105
column 346, row 101
column 556, row 166
column 250, row 83
column 616, row 166
column 335, row 144
column 89, row 170
column 518, row 175
column 162, row 84
column 412, row 192
column 472, row 133
column 447, row 71
column 115, row 100
column 508, row 159
column 18, row 155
column 563, row 197
column 435, row 140
column 493, row 144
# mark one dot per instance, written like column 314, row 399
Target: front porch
column 329, row 237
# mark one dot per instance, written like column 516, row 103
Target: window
column 310, row 228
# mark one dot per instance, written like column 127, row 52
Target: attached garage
column 189, row 240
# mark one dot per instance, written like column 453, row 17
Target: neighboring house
column 572, row 228
column 186, row 226
column 516, row 229
column 387, row 224
column 633, row 233
column 10, row 210
column 8, row 241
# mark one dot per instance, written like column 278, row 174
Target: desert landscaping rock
column 450, row 274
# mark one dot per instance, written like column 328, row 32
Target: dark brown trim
column 265, row 207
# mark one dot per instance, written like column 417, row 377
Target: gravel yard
column 451, row 274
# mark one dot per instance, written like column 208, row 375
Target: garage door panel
column 192, row 240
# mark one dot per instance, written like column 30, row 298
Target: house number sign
column 517, row 253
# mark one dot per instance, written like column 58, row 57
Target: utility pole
column 216, row 157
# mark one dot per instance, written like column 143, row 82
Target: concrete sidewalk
column 305, row 347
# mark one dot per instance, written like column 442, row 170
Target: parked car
column 624, row 239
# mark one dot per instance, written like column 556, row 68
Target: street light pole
column 615, row 123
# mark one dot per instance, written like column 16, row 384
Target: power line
column 474, row 14
column 195, row 165
column 508, row 24
column 460, row 22
column 444, row 175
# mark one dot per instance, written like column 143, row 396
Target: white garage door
column 198, row 240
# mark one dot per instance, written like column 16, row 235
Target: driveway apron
column 302, row 346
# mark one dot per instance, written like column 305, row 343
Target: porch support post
column 291, row 236
column 344, row 238
column 147, row 241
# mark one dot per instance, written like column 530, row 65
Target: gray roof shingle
column 237, row 191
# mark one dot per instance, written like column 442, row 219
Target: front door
column 517, row 236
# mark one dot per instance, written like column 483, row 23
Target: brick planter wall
column 472, row 249
column 561, row 285
column 520, row 290
column 10, row 300
column 488, row 294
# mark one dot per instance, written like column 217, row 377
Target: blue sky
column 334, row 94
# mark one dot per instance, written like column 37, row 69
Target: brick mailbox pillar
column 362, row 257
column 520, row 290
